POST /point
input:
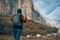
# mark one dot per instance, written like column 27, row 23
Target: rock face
column 27, row 5
column 29, row 11
column 1, row 8
column 36, row 23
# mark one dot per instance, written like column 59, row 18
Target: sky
column 49, row 9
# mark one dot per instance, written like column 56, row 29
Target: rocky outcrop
column 29, row 11
column 35, row 21
column 28, row 6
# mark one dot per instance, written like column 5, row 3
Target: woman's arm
column 23, row 18
column 10, row 18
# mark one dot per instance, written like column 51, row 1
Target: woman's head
column 19, row 11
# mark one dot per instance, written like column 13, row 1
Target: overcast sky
column 49, row 9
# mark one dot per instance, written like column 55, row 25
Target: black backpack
column 17, row 19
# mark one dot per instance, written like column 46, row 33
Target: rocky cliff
column 36, row 22
column 28, row 6
column 11, row 6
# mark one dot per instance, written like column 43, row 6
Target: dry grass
column 36, row 26
column 10, row 37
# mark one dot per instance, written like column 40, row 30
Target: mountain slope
column 36, row 23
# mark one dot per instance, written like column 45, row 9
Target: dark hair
column 19, row 11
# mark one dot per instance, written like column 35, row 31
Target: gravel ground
column 11, row 37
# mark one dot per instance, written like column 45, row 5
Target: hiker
column 17, row 24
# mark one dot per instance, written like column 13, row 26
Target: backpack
column 17, row 19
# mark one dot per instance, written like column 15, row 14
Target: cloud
column 49, row 9
column 55, row 16
column 46, row 5
column 53, row 8
column 58, row 25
